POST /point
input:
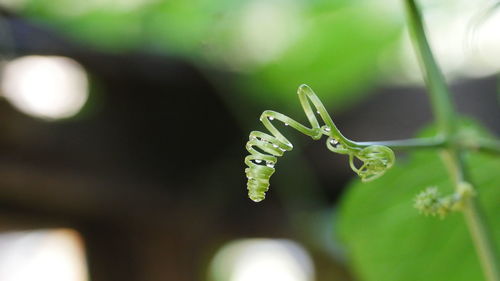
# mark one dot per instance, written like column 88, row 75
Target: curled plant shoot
column 265, row 148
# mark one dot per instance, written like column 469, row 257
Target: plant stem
column 479, row 234
column 452, row 154
column 481, row 240
column 486, row 145
column 408, row 144
column 489, row 145
column 434, row 79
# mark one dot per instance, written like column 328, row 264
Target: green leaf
column 388, row 240
column 272, row 45
column 338, row 54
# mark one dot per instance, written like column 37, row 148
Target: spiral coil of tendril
column 265, row 148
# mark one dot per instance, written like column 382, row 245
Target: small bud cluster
column 430, row 202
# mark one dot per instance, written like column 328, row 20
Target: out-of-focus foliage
column 389, row 240
column 338, row 52
column 275, row 45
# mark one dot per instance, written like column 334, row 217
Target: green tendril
column 376, row 160
column 430, row 202
column 265, row 148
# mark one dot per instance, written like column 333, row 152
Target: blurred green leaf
column 111, row 30
column 388, row 240
column 177, row 27
column 338, row 54
column 272, row 45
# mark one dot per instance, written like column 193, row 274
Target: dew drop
column 317, row 111
column 275, row 146
column 258, row 161
column 271, row 118
column 286, row 124
column 270, row 164
column 333, row 141
column 327, row 129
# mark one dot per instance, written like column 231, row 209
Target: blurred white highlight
column 267, row 29
column 46, row 255
column 463, row 36
column 46, row 87
column 263, row 260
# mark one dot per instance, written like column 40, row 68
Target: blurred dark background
column 149, row 171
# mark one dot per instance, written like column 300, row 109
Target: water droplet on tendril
column 333, row 141
column 327, row 129
column 271, row 118
column 270, row 164
column 286, row 124
column 258, row 161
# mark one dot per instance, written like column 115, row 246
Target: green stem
column 475, row 222
column 481, row 240
column 447, row 126
column 408, row 144
column 434, row 79
column 489, row 145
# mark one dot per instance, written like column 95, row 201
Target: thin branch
column 408, row 144
column 475, row 222
column 436, row 84
column 489, row 145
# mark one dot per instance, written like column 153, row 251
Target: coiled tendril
column 375, row 159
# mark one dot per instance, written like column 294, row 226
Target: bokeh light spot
column 42, row 255
column 46, row 87
column 263, row 260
